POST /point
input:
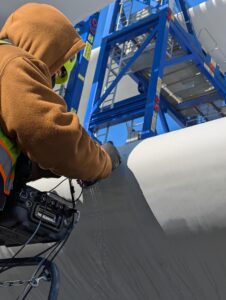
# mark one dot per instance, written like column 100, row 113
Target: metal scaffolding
column 160, row 51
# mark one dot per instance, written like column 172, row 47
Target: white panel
column 209, row 21
column 183, row 176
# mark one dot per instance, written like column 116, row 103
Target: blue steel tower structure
column 174, row 75
column 87, row 29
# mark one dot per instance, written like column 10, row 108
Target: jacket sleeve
column 37, row 118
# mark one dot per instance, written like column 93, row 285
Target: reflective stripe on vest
column 9, row 153
column 5, row 42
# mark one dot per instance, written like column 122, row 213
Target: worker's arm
column 115, row 159
column 38, row 119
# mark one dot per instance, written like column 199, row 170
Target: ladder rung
column 107, row 101
column 112, row 69
column 114, row 63
column 108, row 83
column 111, row 94
column 116, row 57
column 110, row 66
column 110, row 98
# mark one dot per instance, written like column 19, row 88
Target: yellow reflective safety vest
column 9, row 153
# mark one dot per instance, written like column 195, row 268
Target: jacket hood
column 44, row 32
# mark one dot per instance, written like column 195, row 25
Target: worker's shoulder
column 11, row 56
column 9, row 53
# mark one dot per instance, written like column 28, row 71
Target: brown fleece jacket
column 30, row 112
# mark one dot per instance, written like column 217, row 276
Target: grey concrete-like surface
column 120, row 252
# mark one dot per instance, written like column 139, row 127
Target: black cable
column 61, row 244
column 4, row 268
column 74, row 201
column 38, row 226
column 68, row 201
column 27, row 293
column 57, row 185
column 45, row 251
column 46, row 258
column 73, row 219
column 72, row 190
column 54, row 247
column 41, row 263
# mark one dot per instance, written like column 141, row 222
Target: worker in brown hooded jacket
column 39, row 39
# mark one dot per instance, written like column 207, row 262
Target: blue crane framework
column 87, row 29
column 174, row 74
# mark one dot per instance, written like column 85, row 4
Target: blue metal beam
column 127, row 33
column 150, row 102
column 154, row 89
column 123, row 111
column 130, row 109
column 211, row 97
column 111, row 17
column 183, row 5
column 97, row 82
column 76, row 81
column 125, row 69
column 178, row 60
column 164, row 123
